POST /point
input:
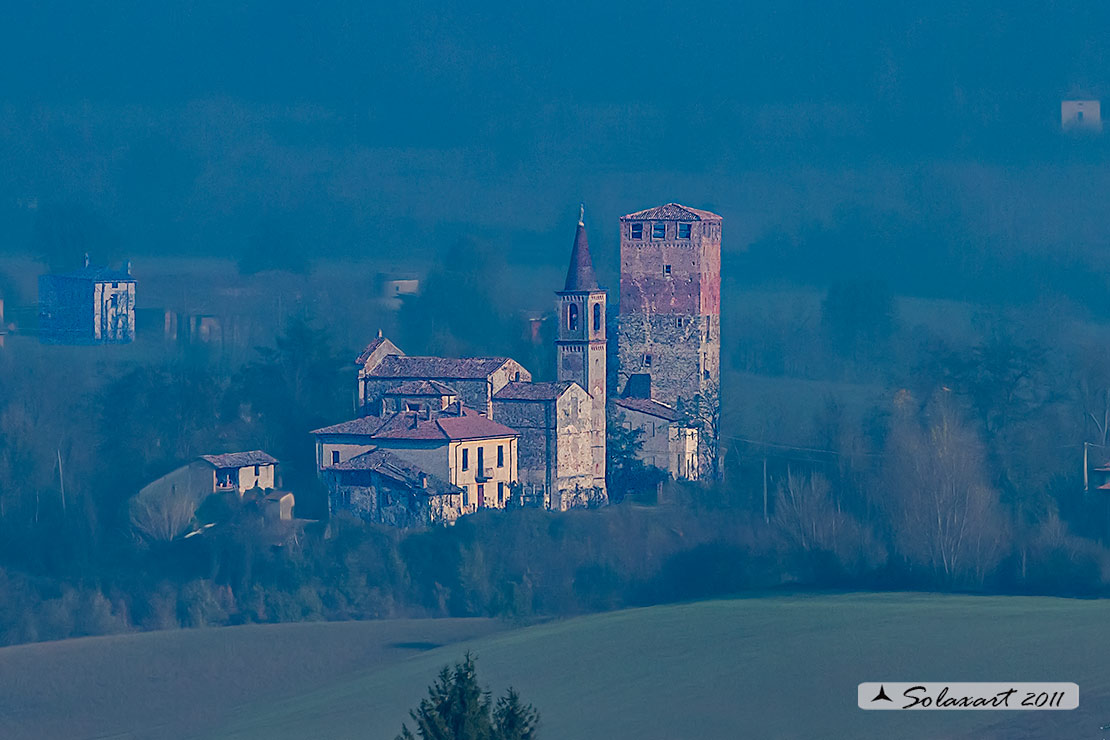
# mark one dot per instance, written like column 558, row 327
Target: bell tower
column 580, row 347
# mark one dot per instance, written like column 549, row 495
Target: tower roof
column 580, row 274
column 672, row 212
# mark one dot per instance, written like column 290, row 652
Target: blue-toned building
column 92, row 305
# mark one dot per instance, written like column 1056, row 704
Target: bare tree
column 808, row 516
column 946, row 516
column 161, row 514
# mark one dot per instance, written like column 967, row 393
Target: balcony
column 481, row 475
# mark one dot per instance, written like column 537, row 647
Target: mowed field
column 760, row 667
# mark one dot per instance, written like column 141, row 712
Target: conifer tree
column 457, row 708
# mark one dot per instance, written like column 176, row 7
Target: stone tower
column 669, row 325
column 580, row 346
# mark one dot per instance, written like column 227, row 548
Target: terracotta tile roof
column 650, row 406
column 422, row 388
column 364, row 426
column 394, row 467
column 446, row 425
column 239, row 459
column 672, row 212
column 423, row 368
column 521, row 391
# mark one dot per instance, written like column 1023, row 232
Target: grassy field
column 766, row 667
column 185, row 683
column 774, row 667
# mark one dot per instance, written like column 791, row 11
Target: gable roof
column 239, row 459
column 650, row 406
column 447, row 425
column 521, row 391
column 396, row 468
column 672, row 212
column 424, row 368
column 580, row 273
column 422, row 388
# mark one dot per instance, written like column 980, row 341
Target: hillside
column 774, row 667
column 719, row 669
column 185, row 682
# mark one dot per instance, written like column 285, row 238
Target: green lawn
column 729, row 669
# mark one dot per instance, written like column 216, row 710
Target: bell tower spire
column 581, row 344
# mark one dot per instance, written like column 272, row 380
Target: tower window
column 597, row 317
column 666, row 269
column 659, row 231
column 684, row 231
column 647, row 360
column 678, row 323
column 572, row 317
column 637, row 231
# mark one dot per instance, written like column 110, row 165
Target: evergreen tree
column 457, row 708
column 513, row 720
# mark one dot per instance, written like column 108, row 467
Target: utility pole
column 766, row 518
column 1086, row 483
column 61, row 483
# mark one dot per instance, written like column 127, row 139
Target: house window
column 659, row 231
column 481, row 460
column 335, row 457
column 637, row 231
column 255, row 471
column 481, row 495
column 684, row 231
column 500, row 456
column 572, row 317
column 466, row 459
column 647, row 360
column 500, row 494
column 666, row 269
column 597, row 317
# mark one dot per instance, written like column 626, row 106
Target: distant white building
column 1080, row 115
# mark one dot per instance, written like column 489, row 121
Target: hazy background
column 917, row 145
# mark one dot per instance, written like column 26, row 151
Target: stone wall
column 378, row 502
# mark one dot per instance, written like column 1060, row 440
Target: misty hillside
column 833, row 140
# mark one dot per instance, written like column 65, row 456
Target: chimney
column 423, row 480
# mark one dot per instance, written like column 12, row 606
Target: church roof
column 672, row 212
column 425, row 368
column 580, row 274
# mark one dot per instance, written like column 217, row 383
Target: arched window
column 572, row 317
column 597, row 317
